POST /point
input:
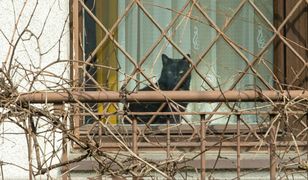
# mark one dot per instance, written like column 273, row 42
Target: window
column 231, row 45
column 221, row 61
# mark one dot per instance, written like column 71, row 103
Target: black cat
column 173, row 70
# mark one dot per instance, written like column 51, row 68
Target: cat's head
column 173, row 70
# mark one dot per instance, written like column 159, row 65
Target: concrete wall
column 43, row 26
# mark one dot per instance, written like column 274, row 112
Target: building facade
column 141, row 88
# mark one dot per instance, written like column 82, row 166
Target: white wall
column 45, row 41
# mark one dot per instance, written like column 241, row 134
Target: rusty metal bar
column 100, row 135
column 75, row 40
column 76, row 51
column 168, row 143
column 162, row 96
column 238, row 147
column 213, row 145
column 202, row 148
column 135, row 141
column 196, row 113
column 273, row 158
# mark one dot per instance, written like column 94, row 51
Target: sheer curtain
column 221, row 66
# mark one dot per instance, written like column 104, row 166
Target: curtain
column 222, row 65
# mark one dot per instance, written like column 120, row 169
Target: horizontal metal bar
column 185, row 129
column 255, row 112
column 163, row 96
column 211, row 145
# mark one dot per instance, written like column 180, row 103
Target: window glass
column 222, row 37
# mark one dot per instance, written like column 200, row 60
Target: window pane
column 223, row 39
column 227, row 70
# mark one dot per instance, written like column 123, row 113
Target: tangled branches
column 77, row 132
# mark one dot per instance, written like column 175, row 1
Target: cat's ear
column 187, row 55
column 164, row 58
